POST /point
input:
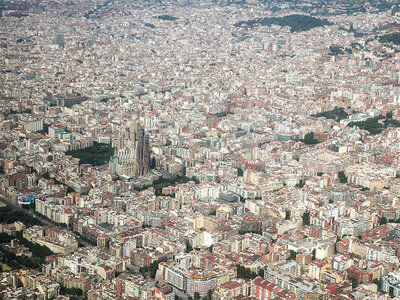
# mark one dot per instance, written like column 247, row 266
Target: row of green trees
column 71, row 291
column 10, row 215
column 37, row 250
column 39, row 253
column 162, row 182
column 18, row 262
column 14, row 112
column 46, row 175
column 385, row 221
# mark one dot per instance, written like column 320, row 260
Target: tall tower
column 142, row 151
column 133, row 158
column 398, row 78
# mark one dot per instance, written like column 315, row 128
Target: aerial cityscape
column 200, row 149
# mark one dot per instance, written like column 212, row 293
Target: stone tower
column 142, row 151
column 133, row 159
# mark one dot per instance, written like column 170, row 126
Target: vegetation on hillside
column 296, row 22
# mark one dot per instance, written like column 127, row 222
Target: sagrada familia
column 132, row 157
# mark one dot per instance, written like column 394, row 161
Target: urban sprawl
column 187, row 150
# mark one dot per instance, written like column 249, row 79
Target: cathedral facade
column 132, row 158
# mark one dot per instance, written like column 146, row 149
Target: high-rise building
column 133, row 156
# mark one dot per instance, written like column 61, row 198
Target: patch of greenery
column 9, row 215
column 300, row 184
column 378, row 282
column 14, row 112
column 152, row 269
column 17, row 262
column 336, row 114
column 342, row 177
column 162, row 182
column 222, row 114
column 309, row 139
column 49, row 220
column 292, row 255
column 97, row 155
column 189, row 247
column 5, row 238
column 296, row 22
column 149, row 25
column 39, row 253
column 390, row 38
column 167, row 18
column 371, row 125
column 209, row 295
column 354, row 282
column 306, row 218
column 245, row 273
column 71, row 291
column 335, row 50
column 56, row 181
column 98, row 7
